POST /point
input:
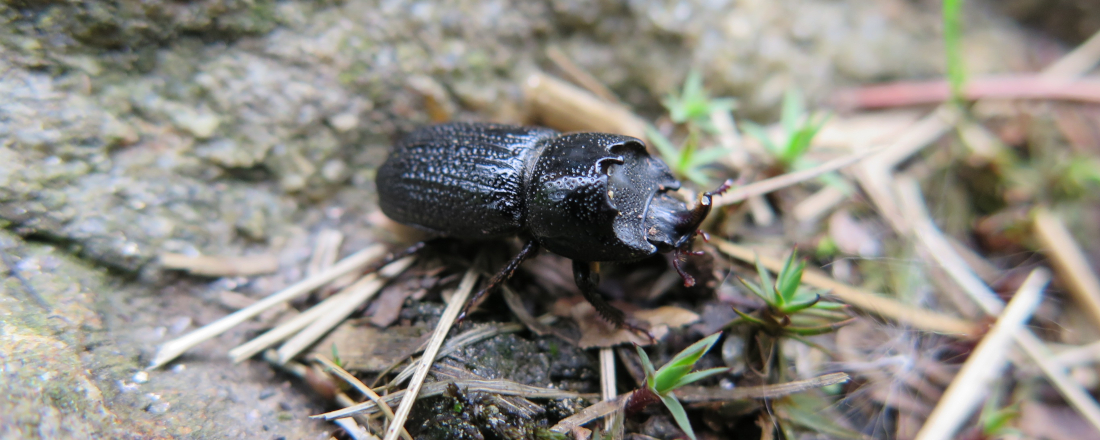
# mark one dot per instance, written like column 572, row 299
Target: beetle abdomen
column 463, row 180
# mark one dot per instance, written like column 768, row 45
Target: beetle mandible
column 589, row 197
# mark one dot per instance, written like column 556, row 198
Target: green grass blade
column 678, row 414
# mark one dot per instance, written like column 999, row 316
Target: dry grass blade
column 736, row 195
column 985, row 363
column 363, row 388
column 210, row 266
column 591, row 413
column 922, row 319
column 353, row 429
column 358, row 294
column 178, row 346
column 458, row 301
column 563, row 106
column 503, row 387
column 1069, row 262
column 288, row 328
column 515, row 304
column 614, row 421
column 579, row 75
column 693, row 394
column 461, row 340
column 1078, row 62
column 940, row 249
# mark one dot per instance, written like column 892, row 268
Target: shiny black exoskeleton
column 590, row 197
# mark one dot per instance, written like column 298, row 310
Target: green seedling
column 792, row 309
column 336, row 357
column 675, row 374
column 799, row 129
column 693, row 108
column 689, row 160
column 952, row 41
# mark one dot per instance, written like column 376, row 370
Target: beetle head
column 601, row 197
column 588, row 195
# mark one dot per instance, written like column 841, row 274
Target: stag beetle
column 589, row 197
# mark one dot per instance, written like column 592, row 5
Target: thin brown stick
column 1069, row 262
column 178, row 346
column 558, row 104
column 765, row 186
column 362, row 388
column 910, row 93
column 985, row 363
column 888, row 308
column 498, row 386
column 939, row 249
column 695, row 394
column 221, row 266
column 593, row 412
column 579, row 75
column 458, row 302
column 361, row 292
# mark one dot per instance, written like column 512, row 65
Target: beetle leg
column 587, row 280
column 677, row 257
column 529, row 250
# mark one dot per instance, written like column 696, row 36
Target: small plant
column 692, row 108
column 791, row 308
column 952, row 41
column 799, row 130
column 997, row 422
column 675, row 374
column 336, row 357
column 688, row 160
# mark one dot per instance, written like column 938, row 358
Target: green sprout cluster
column 677, row 373
column 792, row 309
column 692, row 108
column 799, row 128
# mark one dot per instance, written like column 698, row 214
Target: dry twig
column 178, row 346
column 211, row 266
column 985, row 363
column 360, row 292
column 939, row 249
column 1069, row 262
column 922, row 319
column 458, row 301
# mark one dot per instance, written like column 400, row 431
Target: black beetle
column 590, row 197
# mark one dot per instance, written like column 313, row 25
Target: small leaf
column 790, row 282
column 793, row 110
column 754, row 289
column 708, row 156
column 750, row 318
column 819, row 330
column 646, row 365
column 690, row 355
column 699, row 375
column 664, row 146
column 757, row 132
column 668, row 376
column 767, row 285
column 679, row 415
column 792, row 308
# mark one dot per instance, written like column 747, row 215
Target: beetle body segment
column 460, row 180
column 585, row 196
